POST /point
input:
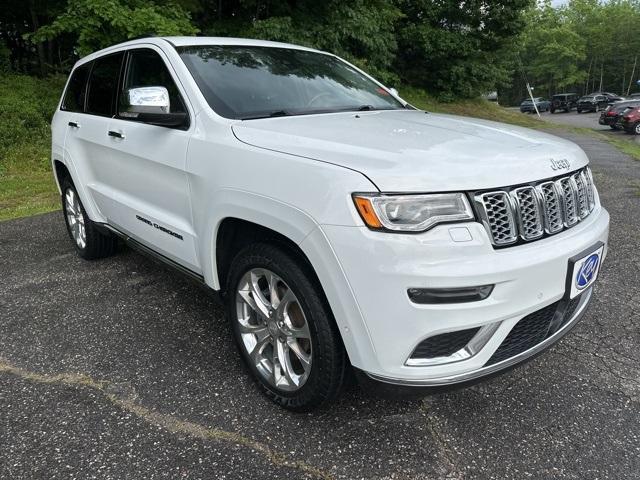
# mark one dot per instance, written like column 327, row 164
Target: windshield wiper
column 363, row 108
column 275, row 113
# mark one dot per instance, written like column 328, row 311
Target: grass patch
column 629, row 147
column 477, row 108
column 26, row 183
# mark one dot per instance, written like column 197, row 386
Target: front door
column 152, row 185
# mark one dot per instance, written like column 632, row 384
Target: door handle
column 113, row 133
column 74, row 124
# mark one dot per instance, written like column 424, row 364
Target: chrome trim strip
column 481, row 372
column 472, row 348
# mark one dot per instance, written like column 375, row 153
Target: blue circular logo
column 587, row 271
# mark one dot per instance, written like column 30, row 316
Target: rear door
column 148, row 165
column 87, row 142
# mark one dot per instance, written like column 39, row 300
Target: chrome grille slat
column 529, row 212
column 499, row 218
column 550, row 196
column 569, row 201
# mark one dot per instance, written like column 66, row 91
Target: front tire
column 636, row 128
column 284, row 328
column 90, row 243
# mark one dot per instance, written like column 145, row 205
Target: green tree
column 458, row 49
column 99, row 23
column 552, row 52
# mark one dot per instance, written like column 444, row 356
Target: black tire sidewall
column 98, row 244
column 66, row 186
column 328, row 356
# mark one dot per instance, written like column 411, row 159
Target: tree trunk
column 39, row 46
column 633, row 72
column 586, row 85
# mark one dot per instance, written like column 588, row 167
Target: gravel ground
column 122, row 369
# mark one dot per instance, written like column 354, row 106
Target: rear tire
column 293, row 349
column 90, row 243
column 636, row 128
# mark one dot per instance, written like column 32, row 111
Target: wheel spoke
column 246, row 328
column 272, row 280
column 248, row 299
column 256, row 353
column 304, row 357
column 70, row 201
column 302, row 332
column 284, row 364
column 262, row 304
column 286, row 299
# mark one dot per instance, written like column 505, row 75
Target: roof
column 187, row 41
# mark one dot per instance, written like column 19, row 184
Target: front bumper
column 608, row 120
column 380, row 267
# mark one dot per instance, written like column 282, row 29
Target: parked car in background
column 630, row 120
column 564, row 101
column 592, row 103
column 528, row 106
column 611, row 97
column 613, row 113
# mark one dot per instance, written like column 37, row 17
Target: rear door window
column 73, row 100
column 103, row 85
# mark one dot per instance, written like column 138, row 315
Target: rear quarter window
column 74, row 96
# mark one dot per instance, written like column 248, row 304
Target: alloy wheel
column 75, row 218
column 637, row 129
column 273, row 329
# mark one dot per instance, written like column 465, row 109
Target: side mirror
column 151, row 105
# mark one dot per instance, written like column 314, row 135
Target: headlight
column 412, row 213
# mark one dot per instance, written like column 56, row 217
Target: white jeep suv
column 346, row 230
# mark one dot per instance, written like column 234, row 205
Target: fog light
column 449, row 295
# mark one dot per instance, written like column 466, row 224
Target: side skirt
column 149, row 252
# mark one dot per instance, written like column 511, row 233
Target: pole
column 532, row 100
column 633, row 72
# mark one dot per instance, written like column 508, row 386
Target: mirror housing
column 151, row 105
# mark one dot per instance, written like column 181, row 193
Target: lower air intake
column 533, row 329
column 445, row 344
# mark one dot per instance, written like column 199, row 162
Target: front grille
column 534, row 328
column 445, row 344
column 533, row 211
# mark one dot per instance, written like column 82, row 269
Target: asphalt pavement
column 123, row 369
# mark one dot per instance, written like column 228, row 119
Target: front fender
column 268, row 212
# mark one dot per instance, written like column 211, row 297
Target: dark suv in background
column 592, row 103
column 613, row 114
column 611, row 97
column 564, row 101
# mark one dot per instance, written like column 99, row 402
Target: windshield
column 244, row 82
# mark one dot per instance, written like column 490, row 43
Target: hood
column 414, row 151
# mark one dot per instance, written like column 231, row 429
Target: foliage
column 450, row 47
column 100, row 23
column 552, row 51
column 583, row 46
column 458, row 49
column 27, row 105
column 361, row 31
